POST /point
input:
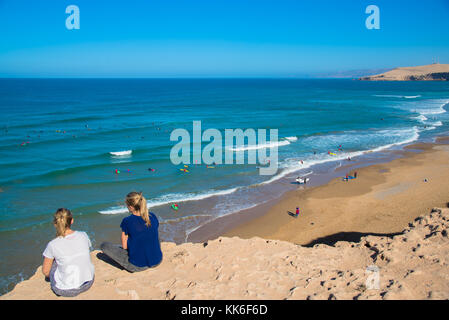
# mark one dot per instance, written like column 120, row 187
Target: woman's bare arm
column 46, row 266
column 124, row 241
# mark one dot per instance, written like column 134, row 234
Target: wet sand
column 223, row 224
column 382, row 200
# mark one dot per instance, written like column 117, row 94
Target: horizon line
column 174, row 78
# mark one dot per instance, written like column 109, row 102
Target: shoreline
column 262, row 220
column 364, row 205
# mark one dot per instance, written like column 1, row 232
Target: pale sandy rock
column 434, row 71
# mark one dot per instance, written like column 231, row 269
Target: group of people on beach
column 348, row 177
column 302, row 180
column 67, row 263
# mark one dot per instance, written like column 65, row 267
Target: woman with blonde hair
column 67, row 258
column 140, row 247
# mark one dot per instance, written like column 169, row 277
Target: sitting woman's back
column 67, row 258
column 140, row 247
column 72, row 257
column 143, row 241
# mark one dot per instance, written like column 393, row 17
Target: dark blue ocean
column 58, row 138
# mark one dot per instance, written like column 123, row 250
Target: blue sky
column 217, row 38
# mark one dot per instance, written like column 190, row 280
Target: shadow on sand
column 292, row 214
column 347, row 236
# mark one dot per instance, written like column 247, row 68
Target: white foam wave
column 421, row 118
column 395, row 96
column 427, row 107
column 114, row 210
column 414, row 137
column 261, row 146
column 172, row 197
column 434, row 111
column 292, row 165
column 121, row 153
column 292, row 139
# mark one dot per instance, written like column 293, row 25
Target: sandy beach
column 385, row 221
column 382, row 200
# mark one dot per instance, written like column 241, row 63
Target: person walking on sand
column 140, row 247
column 67, row 260
column 355, row 174
column 297, row 211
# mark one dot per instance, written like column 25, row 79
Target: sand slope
column 412, row 265
column 434, row 71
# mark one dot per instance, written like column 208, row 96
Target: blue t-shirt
column 144, row 249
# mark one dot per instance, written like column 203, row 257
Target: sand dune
column 411, row 265
column 434, row 71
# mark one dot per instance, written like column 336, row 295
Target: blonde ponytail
column 138, row 202
column 62, row 221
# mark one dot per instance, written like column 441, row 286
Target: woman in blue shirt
column 140, row 247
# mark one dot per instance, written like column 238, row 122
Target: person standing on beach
column 355, row 174
column 297, row 211
column 67, row 260
column 140, row 247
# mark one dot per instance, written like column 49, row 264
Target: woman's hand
column 124, row 241
column 46, row 266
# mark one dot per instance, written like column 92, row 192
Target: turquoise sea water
column 56, row 139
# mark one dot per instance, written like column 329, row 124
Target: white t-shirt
column 72, row 254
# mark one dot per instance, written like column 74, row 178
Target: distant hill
column 431, row 72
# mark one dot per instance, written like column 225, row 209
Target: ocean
column 84, row 144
